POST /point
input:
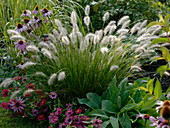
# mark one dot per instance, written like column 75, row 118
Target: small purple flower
column 53, row 118
column 62, row 125
column 27, row 21
column 25, row 13
column 97, row 123
column 36, row 19
column 20, row 45
column 24, row 79
column 20, row 27
column 46, row 12
column 58, row 111
column 160, row 123
column 143, row 116
column 35, row 11
column 53, row 95
column 69, row 112
column 35, row 112
column 69, row 105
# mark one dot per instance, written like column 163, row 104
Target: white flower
column 17, row 37
column 61, row 76
column 12, row 32
column 40, row 74
column 46, row 53
column 104, row 50
column 65, row 40
column 135, row 68
column 73, row 18
column 52, row 79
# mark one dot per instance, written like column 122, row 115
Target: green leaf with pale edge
column 114, row 122
column 99, row 112
column 105, row 124
column 154, row 23
column 95, row 98
column 150, row 86
column 158, row 89
column 125, row 121
column 109, row 107
column 142, row 88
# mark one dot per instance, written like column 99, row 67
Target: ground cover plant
column 58, row 63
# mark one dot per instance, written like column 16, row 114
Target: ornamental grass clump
column 74, row 60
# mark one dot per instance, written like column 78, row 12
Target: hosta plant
column 120, row 103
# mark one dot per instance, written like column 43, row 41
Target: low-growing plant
column 120, row 104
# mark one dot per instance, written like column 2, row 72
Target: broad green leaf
column 95, row 98
column 158, row 89
column 122, row 85
column 168, row 90
column 142, row 88
column 150, row 86
column 88, row 103
column 105, row 124
column 162, row 69
column 160, row 40
column 157, row 58
column 161, row 18
column 108, row 106
column 124, row 97
column 99, row 112
column 154, row 23
column 125, row 121
column 114, row 122
column 128, row 107
column 149, row 104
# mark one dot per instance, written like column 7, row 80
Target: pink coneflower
column 20, row 45
column 24, row 79
column 20, row 27
column 44, row 108
column 46, row 12
column 62, row 125
column 43, row 102
column 97, row 123
column 78, row 111
column 27, row 21
column 35, row 112
column 25, row 13
column 4, row 105
column 41, row 117
column 17, row 78
column 69, row 112
column 30, row 86
column 58, row 111
column 53, row 118
column 5, row 92
column 20, row 65
column 53, row 95
column 17, row 105
column 35, row 11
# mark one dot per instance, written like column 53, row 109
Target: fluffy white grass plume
column 43, row 44
column 17, row 37
column 73, row 37
column 122, row 20
column 52, row 47
column 40, row 74
column 52, row 37
column 65, row 40
column 6, row 82
column 135, row 68
column 52, row 79
column 14, row 94
column 156, row 31
column 61, row 76
column 87, row 20
column 87, row 10
column 28, row 64
column 122, row 31
column 36, row 57
column 58, row 23
column 112, row 22
column 104, row 50
column 73, row 18
column 143, row 24
column 106, row 16
column 56, row 34
column 12, row 32
column 99, row 33
column 46, row 53
column 112, row 29
column 113, row 67
column 126, row 24
column 96, row 39
column 142, row 31
column 106, row 29
column 105, row 40
column 32, row 48
column 135, row 28
column 29, row 91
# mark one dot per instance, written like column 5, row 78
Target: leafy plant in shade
column 118, row 105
